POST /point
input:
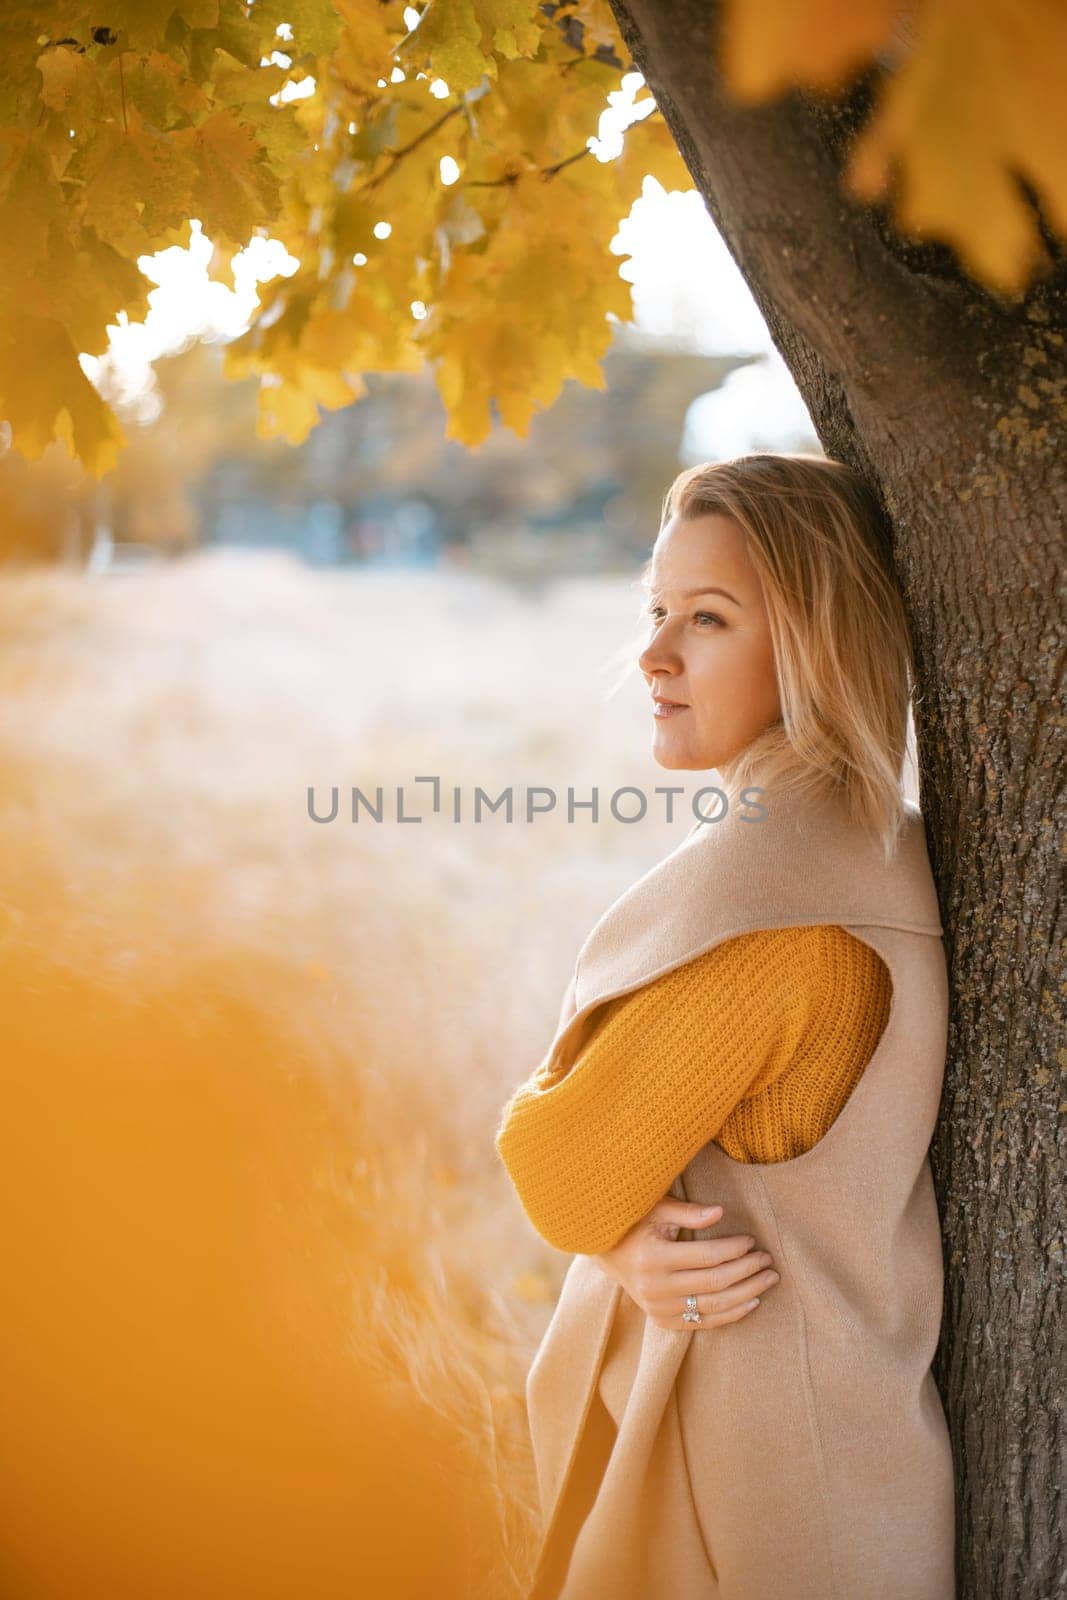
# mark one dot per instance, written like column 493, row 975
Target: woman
column 758, row 1025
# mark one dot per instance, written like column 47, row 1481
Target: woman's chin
column 674, row 759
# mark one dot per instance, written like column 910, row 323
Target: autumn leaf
column 315, row 26
column 45, row 395
column 136, row 182
column 232, row 189
column 71, row 85
column 971, row 110
column 448, row 43
column 768, row 45
column 970, row 101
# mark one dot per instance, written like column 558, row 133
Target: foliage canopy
column 113, row 137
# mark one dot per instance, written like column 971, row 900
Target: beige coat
column 801, row 1453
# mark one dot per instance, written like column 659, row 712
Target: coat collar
column 803, row 862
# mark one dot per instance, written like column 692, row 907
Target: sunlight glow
column 293, row 91
column 621, row 111
column 185, row 305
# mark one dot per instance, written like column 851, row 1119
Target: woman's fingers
column 723, row 1292
column 725, row 1274
column 722, row 1305
column 713, row 1298
column 708, row 1320
column 708, row 1280
column 737, row 1296
column 680, row 1255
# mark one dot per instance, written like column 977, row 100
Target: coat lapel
column 803, row 859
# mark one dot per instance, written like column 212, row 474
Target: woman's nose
column 654, row 658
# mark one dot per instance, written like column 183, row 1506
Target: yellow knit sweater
column 756, row 1044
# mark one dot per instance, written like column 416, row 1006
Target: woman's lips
column 664, row 708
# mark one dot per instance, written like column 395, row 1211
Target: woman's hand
column 657, row 1271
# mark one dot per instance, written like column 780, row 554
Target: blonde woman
column 738, row 1404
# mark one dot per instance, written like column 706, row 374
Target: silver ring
column 690, row 1314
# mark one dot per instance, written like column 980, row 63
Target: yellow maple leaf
column 447, row 42
column 315, row 26
column 70, row 83
column 88, row 283
column 33, row 210
column 233, row 190
column 649, row 150
column 45, row 395
column 288, row 407
column 972, row 100
column 142, row 182
column 464, row 389
column 510, row 27
column 365, row 50
column 979, row 101
column 767, row 45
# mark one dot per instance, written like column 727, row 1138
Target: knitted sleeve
column 777, row 1021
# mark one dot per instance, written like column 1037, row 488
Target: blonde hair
column 815, row 533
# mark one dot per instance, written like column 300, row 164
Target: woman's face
column 711, row 651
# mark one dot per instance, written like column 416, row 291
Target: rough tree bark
column 952, row 402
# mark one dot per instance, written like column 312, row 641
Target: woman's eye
column 654, row 612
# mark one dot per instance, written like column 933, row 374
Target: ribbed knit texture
column 756, row 1044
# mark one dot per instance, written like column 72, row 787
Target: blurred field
column 271, row 1299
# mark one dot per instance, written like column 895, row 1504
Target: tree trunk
column 952, row 402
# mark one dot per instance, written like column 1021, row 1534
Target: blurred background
column 271, row 1299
